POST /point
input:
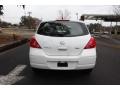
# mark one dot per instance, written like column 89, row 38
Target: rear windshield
column 62, row 29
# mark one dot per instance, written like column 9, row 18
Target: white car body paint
column 62, row 49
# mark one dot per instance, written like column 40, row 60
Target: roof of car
column 64, row 20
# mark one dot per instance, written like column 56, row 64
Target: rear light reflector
column 91, row 44
column 34, row 43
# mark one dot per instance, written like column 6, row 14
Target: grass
column 10, row 35
column 7, row 38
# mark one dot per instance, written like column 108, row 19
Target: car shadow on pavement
column 54, row 77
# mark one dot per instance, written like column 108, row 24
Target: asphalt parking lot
column 15, row 69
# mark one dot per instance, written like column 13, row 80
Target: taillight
column 34, row 43
column 91, row 44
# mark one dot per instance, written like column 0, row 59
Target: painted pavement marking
column 12, row 77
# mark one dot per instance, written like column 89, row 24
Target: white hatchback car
column 62, row 45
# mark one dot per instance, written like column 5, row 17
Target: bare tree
column 1, row 12
column 64, row 15
column 23, row 6
column 67, row 14
column 1, row 8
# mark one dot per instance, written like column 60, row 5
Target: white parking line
column 12, row 77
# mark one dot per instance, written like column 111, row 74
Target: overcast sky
column 12, row 13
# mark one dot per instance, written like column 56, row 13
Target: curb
column 13, row 45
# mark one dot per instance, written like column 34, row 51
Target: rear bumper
column 87, row 60
column 78, row 67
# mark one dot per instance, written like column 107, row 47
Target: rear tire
column 35, row 70
column 88, row 71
